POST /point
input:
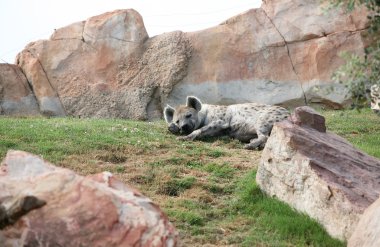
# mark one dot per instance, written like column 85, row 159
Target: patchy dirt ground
column 193, row 182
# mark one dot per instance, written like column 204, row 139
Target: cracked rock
column 282, row 53
column 16, row 95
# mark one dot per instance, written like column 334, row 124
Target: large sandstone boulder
column 42, row 205
column 16, row 96
column 367, row 232
column 318, row 173
column 282, row 53
column 105, row 67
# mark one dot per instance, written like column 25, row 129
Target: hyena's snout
column 173, row 128
column 186, row 128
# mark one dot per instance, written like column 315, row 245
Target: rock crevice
column 47, row 96
column 16, row 94
column 290, row 57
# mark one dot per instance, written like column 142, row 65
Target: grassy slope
column 206, row 187
column 361, row 128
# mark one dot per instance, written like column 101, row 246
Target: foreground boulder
column 42, row 205
column 16, row 96
column 107, row 66
column 318, row 173
column 367, row 232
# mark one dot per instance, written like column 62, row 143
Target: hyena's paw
column 252, row 147
column 190, row 137
column 184, row 138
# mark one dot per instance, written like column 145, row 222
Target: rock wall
column 282, row 53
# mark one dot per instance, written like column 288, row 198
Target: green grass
column 175, row 186
column 265, row 212
column 360, row 128
column 220, row 171
column 56, row 138
column 207, row 188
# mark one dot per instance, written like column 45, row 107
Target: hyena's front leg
column 214, row 128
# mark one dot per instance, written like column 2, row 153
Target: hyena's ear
column 168, row 113
column 194, row 102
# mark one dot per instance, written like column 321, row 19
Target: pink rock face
column 318, row 173
column 310, row 19
column 282, row 53
column 74, row 73
column 79, row 211
column 105, row 67
column 16, row 96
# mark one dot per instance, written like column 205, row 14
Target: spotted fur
column 249, row 122
column 375, row 98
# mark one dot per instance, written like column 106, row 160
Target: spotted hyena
column 375, row 98
column 249, row 122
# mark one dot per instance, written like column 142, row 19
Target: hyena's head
column 184, row 119
column 375, row 98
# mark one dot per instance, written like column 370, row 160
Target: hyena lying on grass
column 249, row 122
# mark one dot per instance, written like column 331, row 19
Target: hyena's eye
column 177, row 122
column 188, row 115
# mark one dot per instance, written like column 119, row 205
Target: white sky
column 24, row 21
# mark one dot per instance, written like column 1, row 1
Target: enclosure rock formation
column 367, row 232
column 282, row 53
column 16, row 96
column 105, row 67
column 43, row 205
column 318, row 173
